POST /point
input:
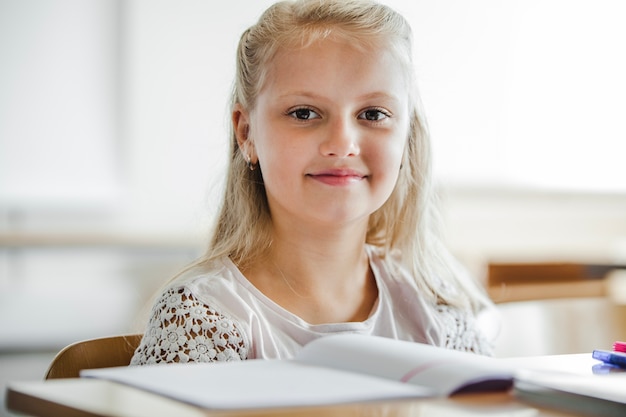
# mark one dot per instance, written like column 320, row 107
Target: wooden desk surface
column 91, row 397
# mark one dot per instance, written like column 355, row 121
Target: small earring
column 251, row 166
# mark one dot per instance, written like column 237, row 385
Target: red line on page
column 409, row 375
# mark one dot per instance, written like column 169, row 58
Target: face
column 328, row 130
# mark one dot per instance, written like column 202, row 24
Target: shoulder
column 392, row 273
column 453, row 326
column 185, row 326
column 462, row 330
column 218, row 284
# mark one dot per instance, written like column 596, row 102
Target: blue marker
column 612, row 358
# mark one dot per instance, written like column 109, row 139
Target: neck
column 319, row 275
column 320, row 256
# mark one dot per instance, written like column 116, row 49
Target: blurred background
column 113, row 119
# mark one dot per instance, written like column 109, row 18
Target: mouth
column 338, row 177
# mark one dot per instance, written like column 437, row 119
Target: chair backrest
column 527, row 281
column 94, row 353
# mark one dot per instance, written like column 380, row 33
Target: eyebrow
column 367, row 96
column 379, row 94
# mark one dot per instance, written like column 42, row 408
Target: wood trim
column 541, row 291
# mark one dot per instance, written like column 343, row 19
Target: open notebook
column 329, row 370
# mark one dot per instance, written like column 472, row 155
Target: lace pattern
column 462, row 331
column 183, row 329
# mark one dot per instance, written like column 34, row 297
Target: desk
column 90, row 397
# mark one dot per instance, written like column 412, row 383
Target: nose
column 341, row 138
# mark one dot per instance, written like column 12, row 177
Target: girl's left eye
column 373, row 115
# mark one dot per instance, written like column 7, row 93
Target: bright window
column 528, row 93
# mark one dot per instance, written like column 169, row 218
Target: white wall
column 58, row 92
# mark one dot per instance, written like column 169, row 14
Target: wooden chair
column 546, row 280
column 550, row 308
column 94, row 353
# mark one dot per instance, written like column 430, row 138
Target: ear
column 241, row 127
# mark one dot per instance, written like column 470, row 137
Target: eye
column 303, row 114
column 374, row 115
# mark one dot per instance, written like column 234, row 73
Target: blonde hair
column 406, row 224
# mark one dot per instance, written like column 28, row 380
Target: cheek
column 280, row 161
column 273, row 152
column 386, row 162
column 388, row 158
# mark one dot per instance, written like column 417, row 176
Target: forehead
column 329, row 65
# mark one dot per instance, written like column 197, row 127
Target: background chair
column 94, row 353
column 552, row 308
column 547, row 280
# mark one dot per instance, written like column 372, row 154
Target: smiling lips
column 337, row 177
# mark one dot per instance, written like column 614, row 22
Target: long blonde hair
column 406, row 224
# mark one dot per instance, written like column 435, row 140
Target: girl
column 326, row 225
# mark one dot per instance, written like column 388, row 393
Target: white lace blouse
column 221, row 316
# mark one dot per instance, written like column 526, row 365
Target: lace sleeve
column 462, row 331
column 183, row 329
